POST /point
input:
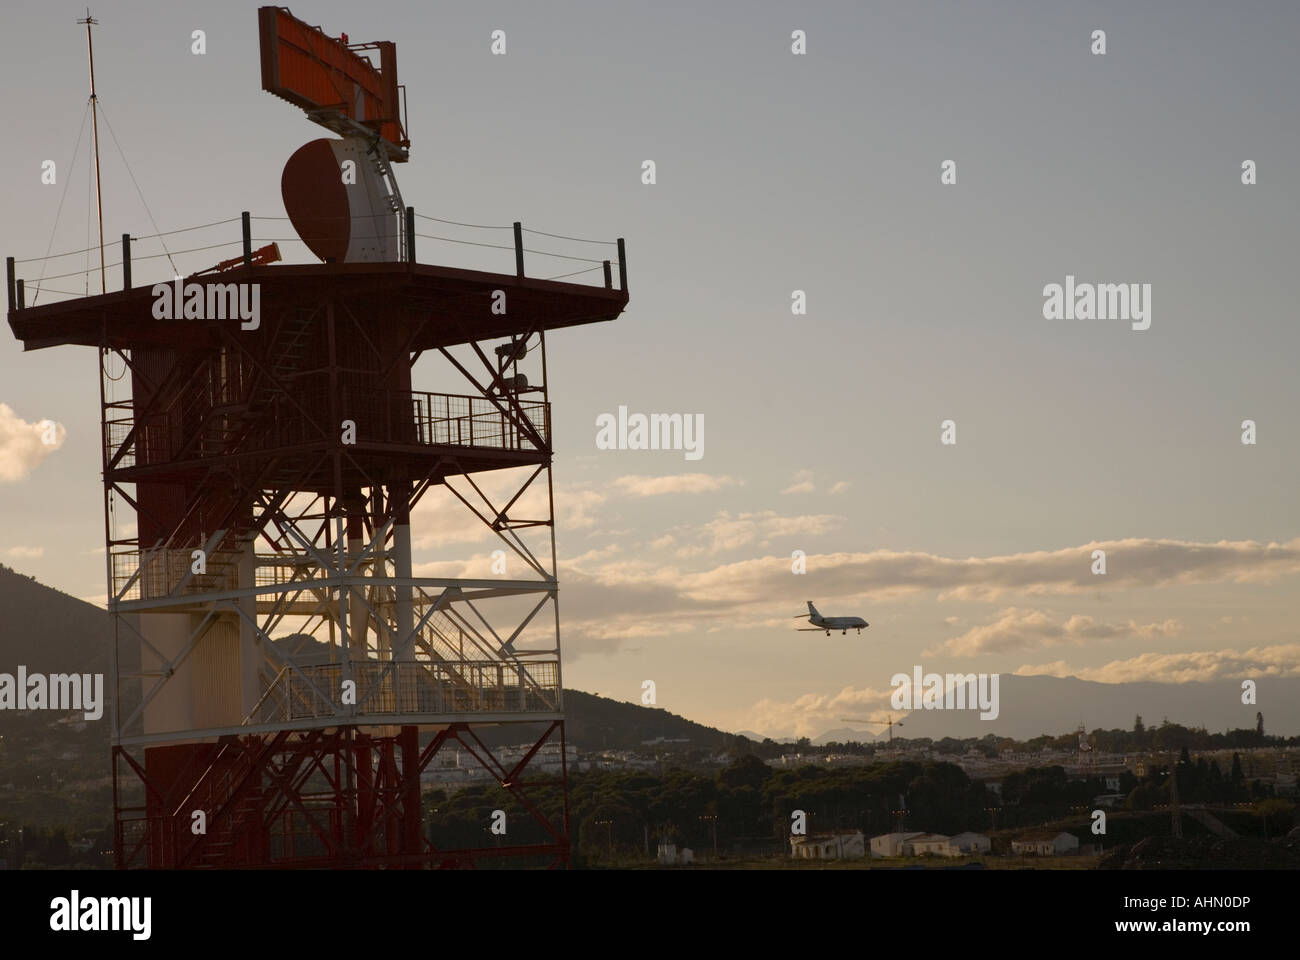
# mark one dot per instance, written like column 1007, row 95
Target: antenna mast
column 94, row 116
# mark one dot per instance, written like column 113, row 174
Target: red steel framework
column 277, row 664
column 276, row 660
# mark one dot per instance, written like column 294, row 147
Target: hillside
column 48, row 631
column 599, row 723
column 54, row 768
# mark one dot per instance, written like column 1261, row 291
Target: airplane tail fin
column 812, row 611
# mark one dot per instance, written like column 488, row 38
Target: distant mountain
column 760, row 737
column 1032, row 706
column 844, row 735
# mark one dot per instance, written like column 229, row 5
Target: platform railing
column 417, row 418
column 55, row 272
column 160, row 572
column 404, row 689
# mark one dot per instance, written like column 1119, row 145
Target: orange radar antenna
column 331, row 80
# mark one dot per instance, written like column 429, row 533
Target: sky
column 775, row 173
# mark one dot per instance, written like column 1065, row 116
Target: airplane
column 842, row 624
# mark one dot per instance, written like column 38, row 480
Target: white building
column 1046, row 846
column 829, row 846
column 968, row 844
column 935, row 844
column 891, row 844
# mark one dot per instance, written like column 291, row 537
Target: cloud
column 679, row 483
column 814, row 713
column 576, row 509
column 1130, row 563
column 885, row 574
column 1281, row 660
column 802, row 483
column 727, row 532
column 596, row 556
column 638, row 594
column 839, row 487
column 22, row 446
column 1017, row 629
column 27, row 552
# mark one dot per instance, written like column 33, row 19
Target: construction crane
column 891, row 723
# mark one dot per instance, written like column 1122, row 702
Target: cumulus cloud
column 1019, row 629
column 679, row 483
column 802, row 483
column 22, row 444
column 885, row 574
column 727, row 532
column 576, row 509
column 814, row 713
column 756, row 589
column 840, row 486
column 1130, row 563
column 1280, row 660
column 596, row 556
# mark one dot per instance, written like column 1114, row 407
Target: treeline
column 24, row 845
column 1166, row 737
column 746, row 807
column 1040, row 794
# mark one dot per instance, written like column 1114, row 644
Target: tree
column 1139, row 727
column 747, row 772
column 1259, row 725
column 1142, row 797
column 1277, row 815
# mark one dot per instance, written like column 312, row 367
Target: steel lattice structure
column 276, row 657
